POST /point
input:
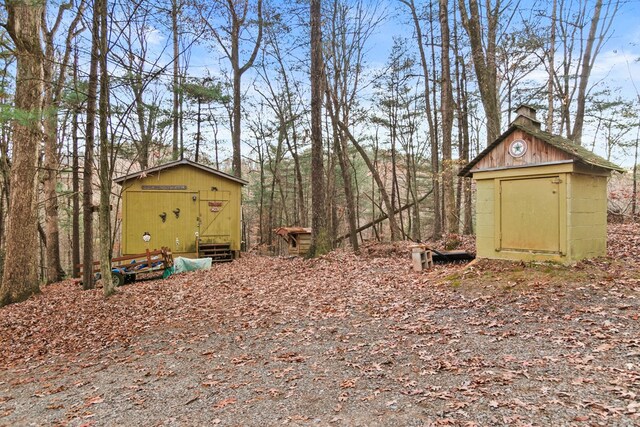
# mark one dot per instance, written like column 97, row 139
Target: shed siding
column 488, row 207
column 587, row 222
column 538, row 152
column 299, row 244
column 583, row 215
column 485, row 226
column 143, row 200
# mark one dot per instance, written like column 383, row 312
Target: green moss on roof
column 576, row 151
column 569, row 147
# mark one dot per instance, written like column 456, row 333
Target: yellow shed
column 190, row 208
column 539, row 197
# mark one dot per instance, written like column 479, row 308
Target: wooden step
column 218, row 252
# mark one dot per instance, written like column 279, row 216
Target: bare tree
column 572, row 78
column 176, row 9
column 350, row 26
column 139, row 80
column 464, row 195
column 87, row 174
column 104, row 210
column 55, row 60
column 284, row 98
column 20, row 276
column 398, row 107
column 433, row 134
column 320, row 242
column 598, row 31
column 76, row 107
column 446, row 108
column 482, row 37
column 229, row 37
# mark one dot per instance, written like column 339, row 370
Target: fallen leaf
column 225, row 402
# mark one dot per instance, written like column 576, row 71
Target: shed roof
column 577, row 152
column 143, row 174
column 285, row 231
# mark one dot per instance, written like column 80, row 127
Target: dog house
column 298, row 239
column 539, row 196
column 190, row 208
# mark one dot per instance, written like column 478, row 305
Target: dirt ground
column 343, row 340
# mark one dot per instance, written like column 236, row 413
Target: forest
column 352, row 117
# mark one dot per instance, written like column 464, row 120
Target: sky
column 617, row 64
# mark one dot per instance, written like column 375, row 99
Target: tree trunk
column 53, row 87
column 341, row 150
column 320, row 243
column 54, row 271
column 87, row 175
column 483, row 52
column 551, row 53
column 393, row 224
column 235, row 127
column 237, row 21
column 145, row 137
column 75, row 197
column 20, row 275
column 446, row 107
column 198, row 131
column 438, row 199
column 105, row 152
column 587, row 65
column 175, row 10
column 437, row 229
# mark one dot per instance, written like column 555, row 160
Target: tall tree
column 462, row 106
column 202, row 91
column 176, row 9
column 229, row 38
column 599, row 28
column 350, row 25
column 284, row 100
column 579, row 53
column 76, row 107
column 104, row 210
column 433, row 134
column 55, row 60
column 396, row 104
column 482, row 37
column 320, row 243
column 446, row 108
column 133, row 52
column 20, row 275
column 551, row 70
column 87, row 174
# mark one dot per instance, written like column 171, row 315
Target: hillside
column 340, row 340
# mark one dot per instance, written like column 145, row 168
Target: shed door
column 530, row 214
column 215, row 216
column 145, row 212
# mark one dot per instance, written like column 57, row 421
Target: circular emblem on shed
column 517, row 148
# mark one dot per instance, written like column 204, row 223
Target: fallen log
column 382, row 218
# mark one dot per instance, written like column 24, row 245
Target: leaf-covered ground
column 341, row 340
